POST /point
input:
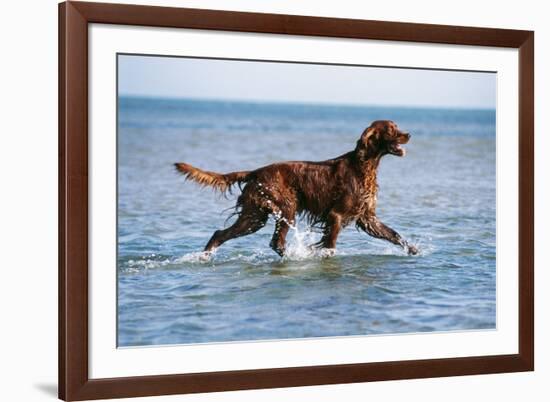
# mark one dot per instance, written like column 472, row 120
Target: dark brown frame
column 74, row 17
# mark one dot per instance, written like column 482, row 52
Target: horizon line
column 313, row 103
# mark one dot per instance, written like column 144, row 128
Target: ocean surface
column 440, row 196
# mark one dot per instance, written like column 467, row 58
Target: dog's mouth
column 394, row 148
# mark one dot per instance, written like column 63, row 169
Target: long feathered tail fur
column 220, row 182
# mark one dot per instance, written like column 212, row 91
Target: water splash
column 195, row 257
column 425, row 246
column 299, row 247
column 145, row 262
column 299, row 244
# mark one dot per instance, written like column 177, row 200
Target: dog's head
column 383, row 137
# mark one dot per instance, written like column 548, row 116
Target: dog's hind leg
column 247, row 223
column 284, row 218
column 278, row 241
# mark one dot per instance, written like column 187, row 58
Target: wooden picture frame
column 74, row 381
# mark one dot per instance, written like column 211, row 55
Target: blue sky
column 176, row 77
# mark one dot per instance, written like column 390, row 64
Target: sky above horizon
column 178, row 77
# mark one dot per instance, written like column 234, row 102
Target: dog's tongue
column 397, row 150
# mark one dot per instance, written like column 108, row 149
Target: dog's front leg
column 375, row 228
column 332, row 228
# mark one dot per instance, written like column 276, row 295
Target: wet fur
column 331, row 194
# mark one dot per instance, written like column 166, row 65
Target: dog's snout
column 408, row 135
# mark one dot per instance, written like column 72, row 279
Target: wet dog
column 331, row 194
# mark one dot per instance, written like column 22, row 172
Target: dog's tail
column 221, row 182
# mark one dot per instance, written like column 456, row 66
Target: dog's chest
column 366, row 200
column 367, row 193
column 367, row 203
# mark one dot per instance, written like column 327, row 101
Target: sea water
column 440, row 197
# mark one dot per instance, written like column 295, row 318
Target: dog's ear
column 367, row 145
column 369, row 132
column 366, row 136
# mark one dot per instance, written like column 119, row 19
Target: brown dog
column 331, row 194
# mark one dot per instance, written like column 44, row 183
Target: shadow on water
column 338, row 266
column 326, row 266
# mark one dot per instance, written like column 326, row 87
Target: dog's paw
column 327, row 252
column 205, row 256
column 412, row 250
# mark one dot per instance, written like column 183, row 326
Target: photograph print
column 268, row 200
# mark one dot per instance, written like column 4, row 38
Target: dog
column 331, row 194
